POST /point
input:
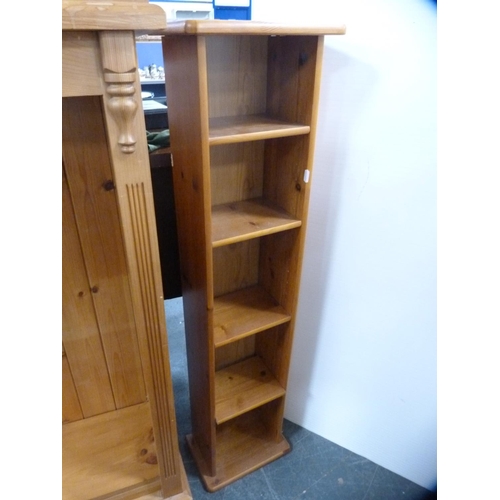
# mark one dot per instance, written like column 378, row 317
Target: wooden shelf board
column 243, row 446
column 230, row 129
column 245, row 312
column 243, row 220
column 242, row 387
column 113, row 458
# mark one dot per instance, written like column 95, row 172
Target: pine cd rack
column 243, row 101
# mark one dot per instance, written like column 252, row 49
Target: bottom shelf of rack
column 243, row 446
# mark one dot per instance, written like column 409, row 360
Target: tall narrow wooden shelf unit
column 243, row 100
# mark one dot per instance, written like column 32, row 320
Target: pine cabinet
column 119, row 434
column 243, row 100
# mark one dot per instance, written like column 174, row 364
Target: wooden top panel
column 116, row 15
column 224, row 27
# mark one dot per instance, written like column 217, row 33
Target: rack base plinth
column 232, row 464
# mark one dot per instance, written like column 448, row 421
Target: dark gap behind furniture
column 166, row 224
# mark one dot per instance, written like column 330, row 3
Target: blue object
column 238, row 13
column 149, row 53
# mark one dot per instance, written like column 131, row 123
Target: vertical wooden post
column 130, row 162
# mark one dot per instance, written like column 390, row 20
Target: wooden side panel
column 81, row 337
column 272, row 415
column 273, row 346
column 286, row 159
column 128, row 151
column 280, row 267
column 236, row 75
column 91, row 184
column 71, row 410
column 119, row 452
column 186, row 85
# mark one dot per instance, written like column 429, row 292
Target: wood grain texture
column 286, row 159
column 236, row 266
column 255, row 221
column 145, row 489
column 155, row 332
column 247, row 219
column 236, row 172
column 131, row 172
column 285, row 162
column 93, row 196
column 120, row 74
column 130, row 185
column 245, row 312
column 186, row 85
column 71, row 409
column 273, row 346
column 149, row 490
column 250, row 433
column 279, row 267
column 227, row 130
column 120, row 454
column 158, row 495
column 229, row 27
column 82, row 73
column 242, row 387
column 236, row 75
column 295, row 77
column 292, row 78
column 81, row 336
column 116, row 15
column 234, row 352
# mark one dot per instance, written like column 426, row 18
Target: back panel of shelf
column 271, row 75
column 270, row 262
column 271, row 345
column 236, row 75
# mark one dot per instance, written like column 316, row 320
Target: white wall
column 363, row 370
